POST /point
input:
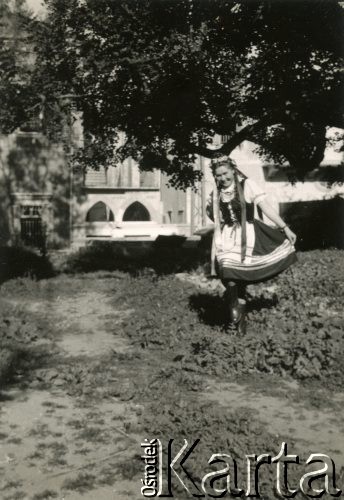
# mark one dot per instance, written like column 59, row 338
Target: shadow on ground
column 211, row 309
column 18, row 261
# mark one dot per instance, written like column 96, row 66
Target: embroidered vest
column 231, row 211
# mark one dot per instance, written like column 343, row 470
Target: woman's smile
column 224, row 176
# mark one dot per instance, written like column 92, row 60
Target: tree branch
column 235, row 140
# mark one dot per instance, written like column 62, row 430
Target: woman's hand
column 205, row 230
column 270, row 212
column 290, row 235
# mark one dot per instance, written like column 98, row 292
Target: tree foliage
column 16, row 93
column 171, row 74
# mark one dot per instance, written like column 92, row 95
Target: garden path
column 51, row 445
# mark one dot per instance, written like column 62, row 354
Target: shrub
column 318, row 224
column 163, row 257
column 20, row 261
column 17, row 332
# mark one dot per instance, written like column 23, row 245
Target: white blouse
column 253, row 192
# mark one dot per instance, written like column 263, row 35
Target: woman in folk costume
column 245, row 249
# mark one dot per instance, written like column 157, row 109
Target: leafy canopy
column 171, row 74
column 16, row 70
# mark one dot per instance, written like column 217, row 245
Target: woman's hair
column 222, row 161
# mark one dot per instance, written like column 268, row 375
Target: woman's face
column 224, row 176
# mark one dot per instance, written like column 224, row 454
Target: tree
column 171, row 74
column 16, row 95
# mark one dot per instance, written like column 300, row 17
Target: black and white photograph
column 171, row 249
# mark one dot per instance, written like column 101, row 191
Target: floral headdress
column 225, row 161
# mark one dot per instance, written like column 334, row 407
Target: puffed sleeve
column 253, row 192
column 209, row 207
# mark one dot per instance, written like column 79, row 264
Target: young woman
column 245, row 249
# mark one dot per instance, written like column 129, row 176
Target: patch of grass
column 19, row 331
column 14, row 440
column 107, row 476
column 45, row 495
column 76, row 424
column 57, row 461
column 17, row 495
column 96, row 420
column 41, row 430
column 54, row 446
column 36, row 455
column 83, row 451
column 82, row 482
column 52, row 452
column 130, row 469
column 7, row 485
column 42, row 446
column 93, row 435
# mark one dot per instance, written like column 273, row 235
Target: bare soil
column 52, row 444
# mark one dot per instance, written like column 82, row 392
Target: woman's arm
column 276, row 219
column 209, row 207
column 209, row 228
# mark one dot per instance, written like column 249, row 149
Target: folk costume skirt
column 268, row 252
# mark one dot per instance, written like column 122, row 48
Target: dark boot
column 241, row 325
column 236, row 308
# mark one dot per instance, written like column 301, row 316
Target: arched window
column 136, row 212
column 100, row 212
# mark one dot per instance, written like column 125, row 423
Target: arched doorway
column 136, row 212
column 100, row 212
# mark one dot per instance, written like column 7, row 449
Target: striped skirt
column 268, row 253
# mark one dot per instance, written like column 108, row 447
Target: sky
column 36, row 6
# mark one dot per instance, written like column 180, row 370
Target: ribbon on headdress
column 217, row 236
column 243, row 217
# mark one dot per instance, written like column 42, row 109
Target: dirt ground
column 52, row 444
column 85, row 393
